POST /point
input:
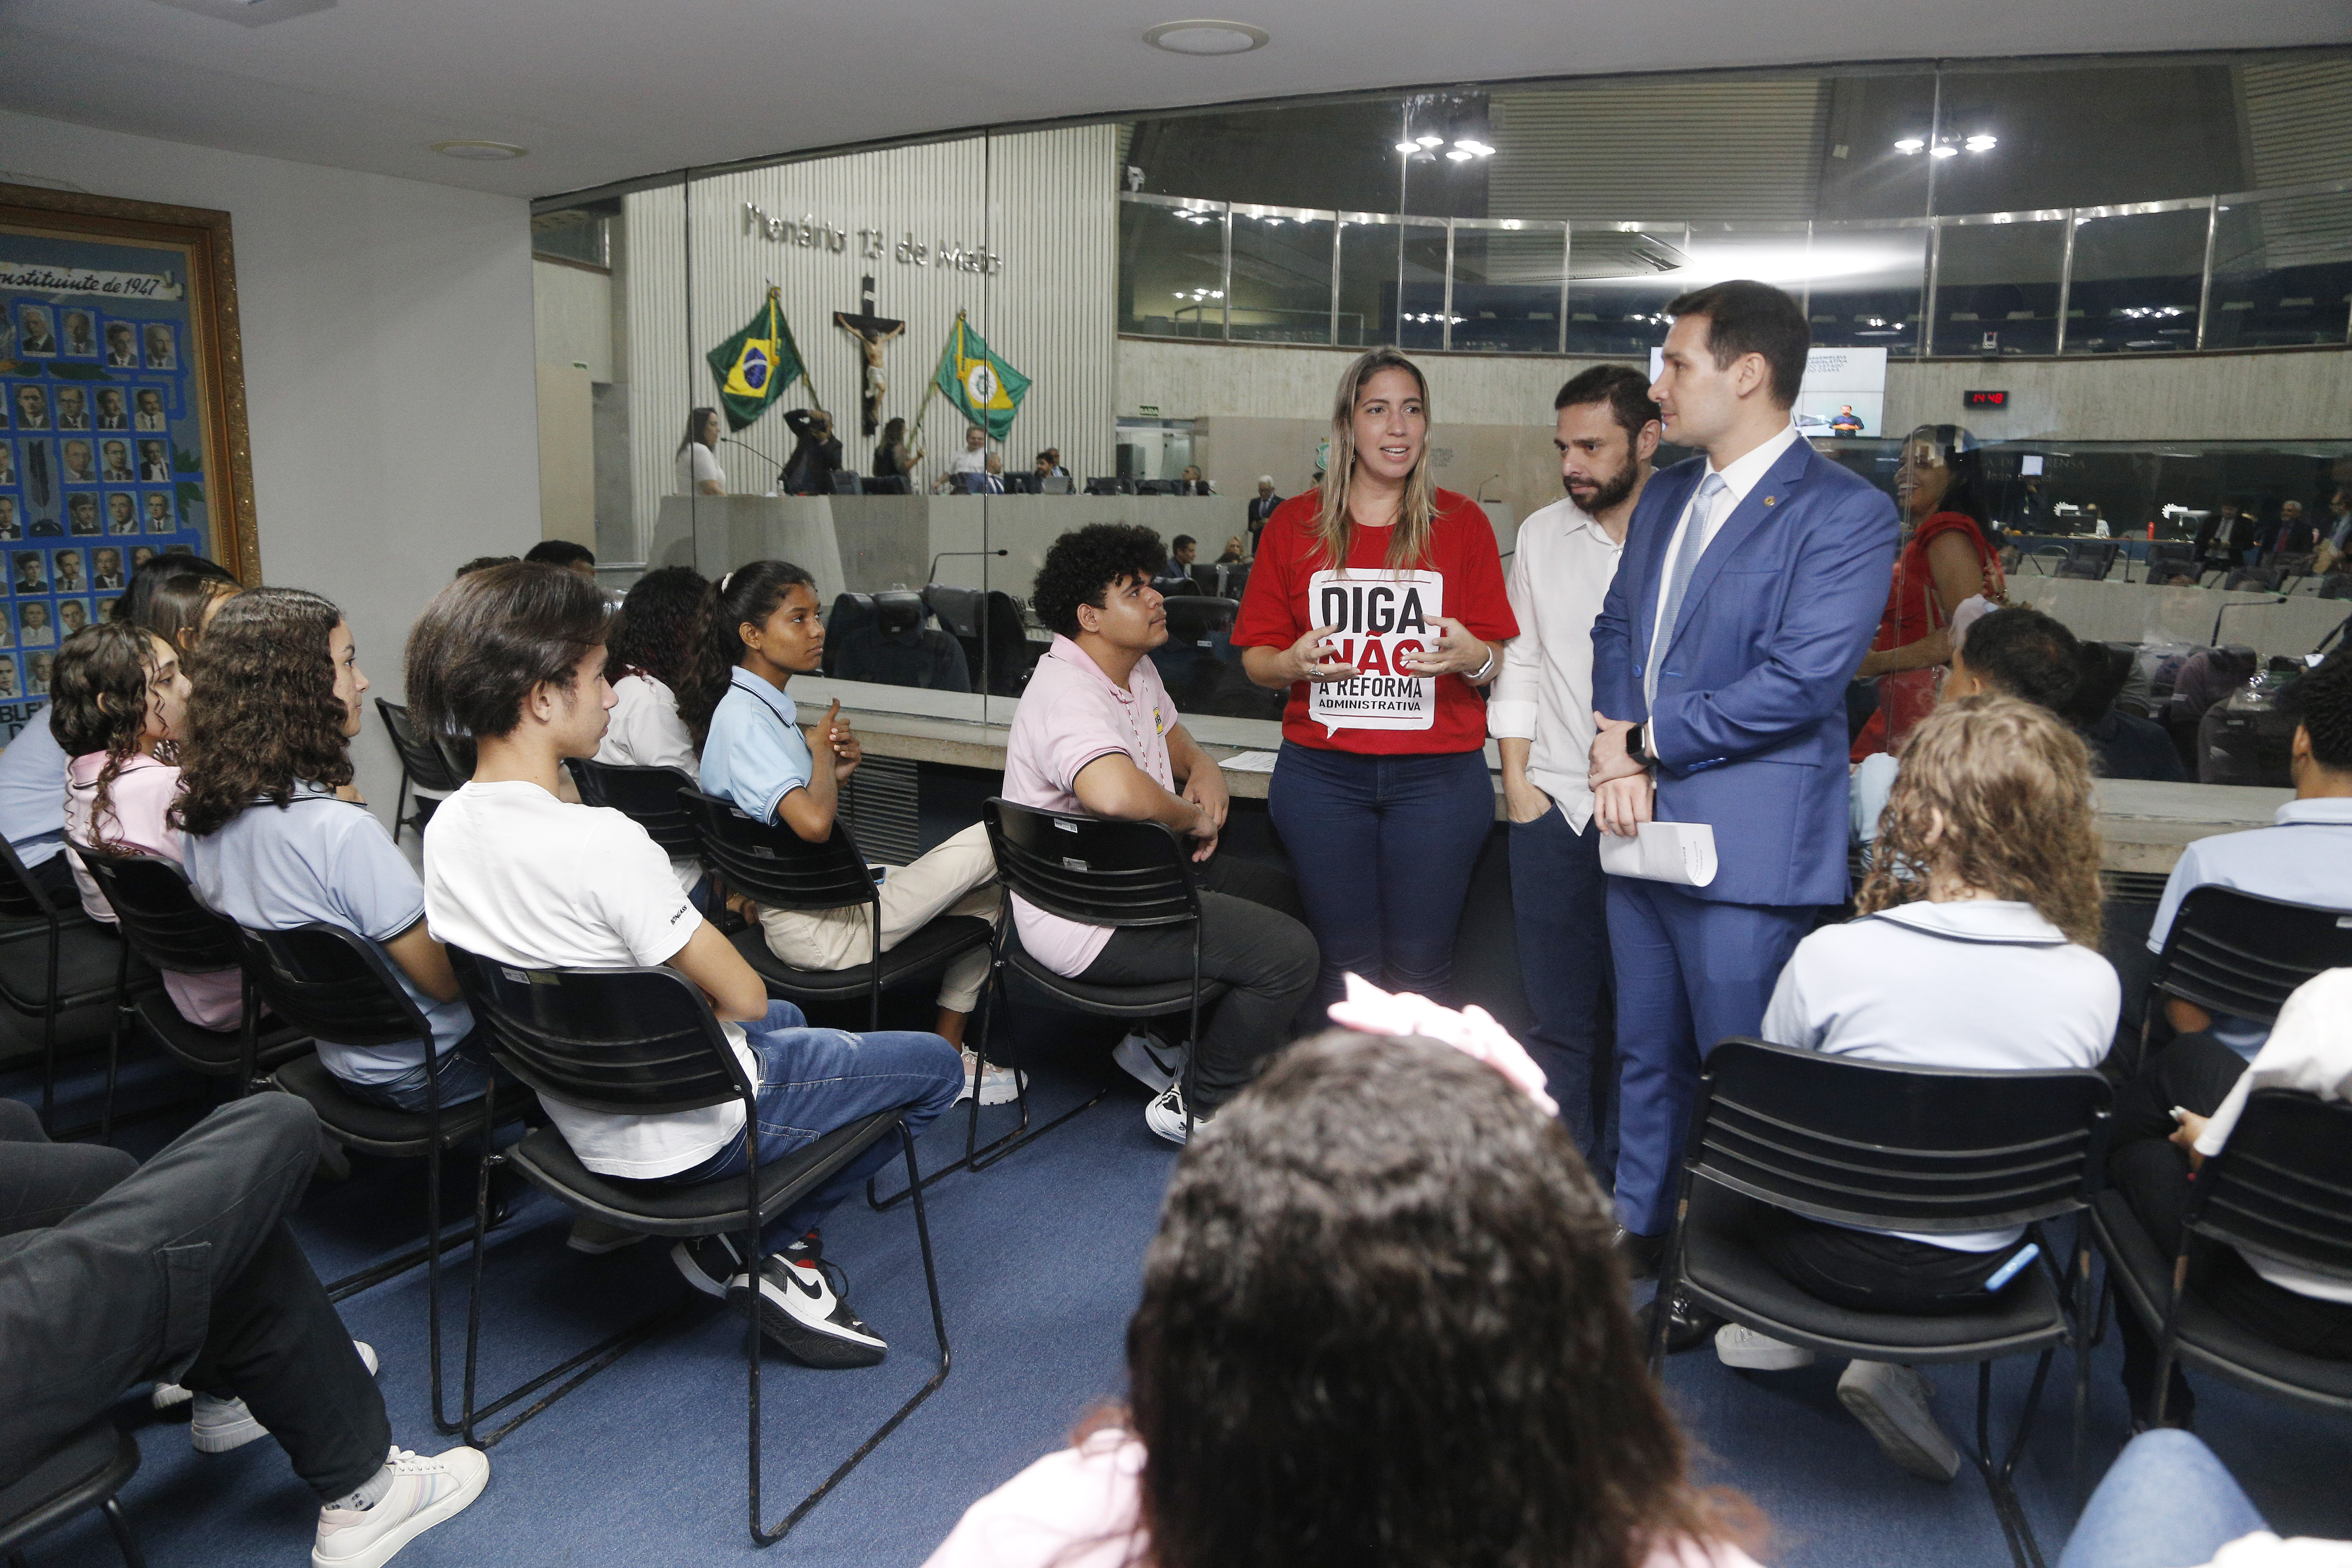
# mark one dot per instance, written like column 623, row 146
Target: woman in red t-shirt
column 1379, row 602
column 1947, row 560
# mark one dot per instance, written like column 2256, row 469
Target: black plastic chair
column 2281, row 1187
column 2089, row 558
column 53, row 959
column 2243, row 954
column 644, row 1042
column 422, row 767
column 1101, row 873
column 778, row 868
column 2252, row 580
column 1892, row 1148
column 647, row 796
column 85, row 1471
column 334, row 986
column 167, row 929
column 2170, row 558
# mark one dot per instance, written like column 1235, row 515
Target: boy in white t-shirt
column 515, row 657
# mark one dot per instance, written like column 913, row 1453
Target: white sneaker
column 801, row 1307
column 1000, row 1085
column 424, row 1492
column 1165, row 1115
column 169, row 1395
column 1149, row 1063
column 1738, row 1345
column 218, row 1425
column 1892, row 1402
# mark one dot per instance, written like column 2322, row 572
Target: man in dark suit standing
column 1752, row 583
column 1261, row 507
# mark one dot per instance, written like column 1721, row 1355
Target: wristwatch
column 1635, row 749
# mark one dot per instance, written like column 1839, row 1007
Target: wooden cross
column 871, row 332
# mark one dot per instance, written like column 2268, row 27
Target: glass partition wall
column 984, row 283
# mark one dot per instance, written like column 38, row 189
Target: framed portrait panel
column 119, row 367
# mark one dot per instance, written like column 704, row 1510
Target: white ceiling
column 607, row 90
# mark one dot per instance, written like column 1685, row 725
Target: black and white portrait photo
column 147, row 409
column 37, row 338
column 113, row 414
column 121, row 513
column 36, row 630
column 81, row 513
column 8, row 678
column 32, row 408
column 81, row 463
column 37, row 681
column 73, row 408
column 163, row 349
column 154, row 468
column 11, row 525
column 114, row 462
column 81, row 335
column 121, row 346
column 32, row 571
column 68, row 574
column 7, row 462
column 106, row 568
column 159, row 513
column 72, row 615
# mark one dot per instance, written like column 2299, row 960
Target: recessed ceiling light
column 1203, row 37
column 1910, row 144
column 1457, row 155
column 1408, row 147
column 1982, row 143
column 1427, row 139
column 1943, row 150
column 479, row 151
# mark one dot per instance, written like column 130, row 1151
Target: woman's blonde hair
column 1334, row 529
column 1995, row 793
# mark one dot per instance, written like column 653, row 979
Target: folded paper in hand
column 1681, row 852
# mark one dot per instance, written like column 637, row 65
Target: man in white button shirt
column 1541, row 715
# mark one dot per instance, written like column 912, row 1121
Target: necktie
column 1692, row 546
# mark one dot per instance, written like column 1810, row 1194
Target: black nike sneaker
column 801, row 1308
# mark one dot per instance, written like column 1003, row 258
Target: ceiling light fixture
column 1472, row 145
column 1513, row 222
column 479, row 151
column 1943, row 150
column 1408, row 147
column 1205, row 37
column 1909, row 145
column 1983, row 144
column 1456, row 155
column 1427, row 139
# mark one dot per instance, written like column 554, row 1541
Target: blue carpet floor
column 1038, row 1261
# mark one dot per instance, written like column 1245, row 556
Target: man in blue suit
column 1752, row 584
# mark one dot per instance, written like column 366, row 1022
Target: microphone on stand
column 758, row 454
column 944, row 554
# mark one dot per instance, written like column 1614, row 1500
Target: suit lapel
column 1763, row 500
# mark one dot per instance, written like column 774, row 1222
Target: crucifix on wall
column 871, row 332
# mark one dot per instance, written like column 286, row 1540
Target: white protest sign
column 1381, row 617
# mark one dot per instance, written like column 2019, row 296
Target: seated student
column 1097, row 732
column 2180, row 1112
column 33, row 807
column 97, row 1294
column 2305, row 859
column 765, row 628
column 515, row 658
column 276, row 700
column 1382, row 1327
column 2123, row 746
column 655, row 636
column 1977, row 947
column 148, row 577
column 2014, row 653
column 120, row 696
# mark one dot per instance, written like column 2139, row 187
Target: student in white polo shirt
column 514, row 655
column 1976, row 947
column 1097, row 733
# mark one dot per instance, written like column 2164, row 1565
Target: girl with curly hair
column 1382, row 1326
column 1976, row 947
column 279, row 698
column 118, row 708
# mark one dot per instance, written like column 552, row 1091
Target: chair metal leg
column 50, row 1036
column 399, row 798
column 124, row 1542
column 590, row 1362
column 768, row 1536
column 2000, row 1479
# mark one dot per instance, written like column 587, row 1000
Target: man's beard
column 1611, row 494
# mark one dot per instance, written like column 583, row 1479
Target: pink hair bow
column 1472, row 1031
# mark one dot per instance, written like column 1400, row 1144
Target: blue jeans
column 814, row 1080
column 1383, row 847
column 461, row 1073
column 1559, row 897
column 2167, row 1504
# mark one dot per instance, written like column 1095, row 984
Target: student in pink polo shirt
column 1097, row 734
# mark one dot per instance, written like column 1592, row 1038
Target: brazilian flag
column 756, row 365
column 984, row 388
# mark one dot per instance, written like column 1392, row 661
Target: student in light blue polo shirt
column 33, row 805
column 271, row 845
column 2306, row 857
column 767, row 628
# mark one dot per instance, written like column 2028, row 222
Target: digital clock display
column 1986, row 399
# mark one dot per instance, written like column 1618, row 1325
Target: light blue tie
column 1692, row 546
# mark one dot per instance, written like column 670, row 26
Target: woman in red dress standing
column 1947, row 559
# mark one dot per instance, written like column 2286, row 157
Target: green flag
column 756, row 365
column 985, row 389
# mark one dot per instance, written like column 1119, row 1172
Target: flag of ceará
column 755, row 365
column 986, row 390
